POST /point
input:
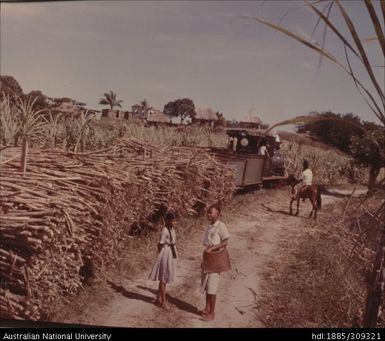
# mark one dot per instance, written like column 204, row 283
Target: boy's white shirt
column 215, row 234
column 307, row 177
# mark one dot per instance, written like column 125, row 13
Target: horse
column 313, row 192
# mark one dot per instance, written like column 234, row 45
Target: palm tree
column 110, row 99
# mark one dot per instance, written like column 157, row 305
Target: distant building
column 116, row 113
column 205, row 117
column 156, row 117
column 251, row 122
column 149, row 114
column 146, row 114
column 141, row 111
column 69, row 107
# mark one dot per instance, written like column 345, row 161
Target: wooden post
column 376, row 284
column 24, row 152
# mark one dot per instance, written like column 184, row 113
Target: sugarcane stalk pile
column 71, row 207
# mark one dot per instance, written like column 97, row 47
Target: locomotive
column 255, row 155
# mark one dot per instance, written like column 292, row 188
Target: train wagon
column 255, row 154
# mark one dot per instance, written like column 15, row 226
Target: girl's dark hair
column 305, row 164
column 217, row 206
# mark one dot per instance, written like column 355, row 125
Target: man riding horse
column 303, row 188
column 305, row 180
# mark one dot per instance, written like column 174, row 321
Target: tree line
column 364, row 141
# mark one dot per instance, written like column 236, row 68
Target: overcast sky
column 164, row 50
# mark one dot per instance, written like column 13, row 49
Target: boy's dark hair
column 305, row 164
column 217, row 206
column 170, row 215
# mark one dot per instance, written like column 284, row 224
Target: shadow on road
column 131, row 295
column 267, row 208
column 182, row 305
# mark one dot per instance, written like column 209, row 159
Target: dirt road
column 259, row 225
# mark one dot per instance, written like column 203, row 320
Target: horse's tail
column 319, row 201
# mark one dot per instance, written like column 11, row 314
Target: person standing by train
column 263, row 148
column 264, row 151
column 277, row 142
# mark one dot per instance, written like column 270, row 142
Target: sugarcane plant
column 9, row 126
column 54, row 128
column 84, row 130
column 31, row 125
